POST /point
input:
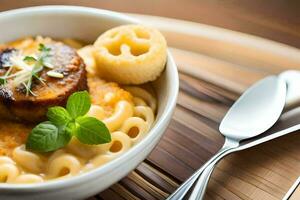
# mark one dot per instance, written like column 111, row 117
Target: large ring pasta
column 86, row 54
column 130, row 54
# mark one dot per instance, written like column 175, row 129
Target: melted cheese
column 105, row 94
column 12, row 134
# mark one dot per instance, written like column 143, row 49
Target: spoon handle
column 185, row 187
column 201, row 185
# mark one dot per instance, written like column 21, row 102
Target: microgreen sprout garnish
column 30, row 59
column 55, row 74
column 43, row 48
column 27, row 68
column 2, row 81
column 65, row 123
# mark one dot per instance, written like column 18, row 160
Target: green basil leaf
column 46, row 137
column 58, row 115
column 78, row 104
column 71, row 128
column 90, row 130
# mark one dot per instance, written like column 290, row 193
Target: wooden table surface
column 278, row 20
column 216, row 66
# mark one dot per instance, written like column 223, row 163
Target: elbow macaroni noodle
column 128, row 124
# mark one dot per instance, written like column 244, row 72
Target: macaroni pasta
column 128, row 113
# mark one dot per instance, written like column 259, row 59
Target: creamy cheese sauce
column 127, row 112
column 104, row 94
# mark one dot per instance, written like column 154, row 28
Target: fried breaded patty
column 15, row 104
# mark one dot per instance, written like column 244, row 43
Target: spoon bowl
column 256, row 110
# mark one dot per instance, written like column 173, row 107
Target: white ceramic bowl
column 85, row 24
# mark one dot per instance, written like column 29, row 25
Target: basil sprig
column 64, row 123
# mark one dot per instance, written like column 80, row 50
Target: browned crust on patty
column 16, row 105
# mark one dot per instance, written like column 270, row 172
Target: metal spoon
column 252, row 114
column 289, row 122
column 292, row 78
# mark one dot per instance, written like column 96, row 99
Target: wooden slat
column 113, row 193
column 154, row 191
column 200, row 88
column 218, row 72
column 214, row 111
column 157, row 178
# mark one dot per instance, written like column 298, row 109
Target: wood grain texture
column 216, row 66
column 210, row 80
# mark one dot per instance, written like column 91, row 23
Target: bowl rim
column 128, row 155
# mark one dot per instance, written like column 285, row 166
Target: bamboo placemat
column 215, row 66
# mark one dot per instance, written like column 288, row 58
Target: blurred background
column 278, row 20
